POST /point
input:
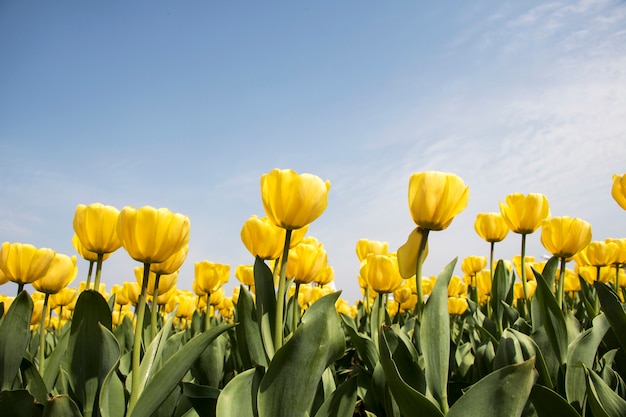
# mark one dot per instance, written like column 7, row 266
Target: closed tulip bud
column 171, row 264
column 471, row 265
column 306, row 261
column 365, row 246
column 216, row 297
column 598, row 253
column 381, row 272
column 620, row 257
column 293, row 200
column 457, row 305
column 59, row 275
column 166, row 281
column 435, row 198
column 132, row 291
column 518, row 289
column 262, row 238
column 491, row 227
column 457, row 287
column 483, row 283
column 245, row 274
column 96, row 227
column 618, row 191
column 65, row 297
column 84, row 253
column 528, row 263
column 24, row 263
column 565, row 236
column 186, row 306
column 120, row 297
column 402, row 294
column 572, row 282
column 325, row 276
column 524, row 213
column 152, row 235
column 210, row 276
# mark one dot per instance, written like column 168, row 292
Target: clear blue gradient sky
column 185, row 105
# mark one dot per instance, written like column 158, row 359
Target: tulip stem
column 421, row 254
column 524, row 282
column 294, row 316
column 207, row 315
column 561, row 287
column 153, row 315
column 89, row 272
column 282, row 290
column 136, row 354
column 42, row 334
column 96, row 284
column 617, row 268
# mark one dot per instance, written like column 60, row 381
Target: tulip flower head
column 524, row 213
column 618, row 191
column 24, row 263
column 565, row 236
column 59, row 275
column 96, row 227
column 491, row 227
column 365, row 246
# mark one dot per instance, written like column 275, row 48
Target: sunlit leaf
column 14, row 337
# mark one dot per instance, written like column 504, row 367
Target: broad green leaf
column 548, row 403
column 112, row 399
column 500, row 288
column 14, row 337
column 61, row 406
column 509, row 351
column 239, row 396
column 604, row 402
column 202, row 397
column 529, row 349
column 53, row 362
column 249, row 332
column 435, row 337
column 265, row 303
column 408, row 398
column 208, row 369
column 342, row 401
column 582, row 351
column 317, row 343
column 364, row 346
column 612, row 307
column 173, row 370
column 501, row 393
column 32, row 380
column 552, row 318
column 407, row 363
column 19, row 403
column 91, row 352
column 550, row 270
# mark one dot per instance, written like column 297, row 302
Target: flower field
column 509, row 338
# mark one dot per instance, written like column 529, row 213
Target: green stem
column 524, row 281
column 367, row 298
column 20, row 288
column 596, row 300
column 561, row 287
column 153, row 315
column 207, row 315
column 295, row 315
column 89, row 272
column 96, row 283
column 42, row 333
column 136, row 354
column 421, row 254
column 282, row 291
column 617, row 267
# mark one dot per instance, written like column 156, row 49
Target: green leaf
column 612, row 307
column 407, row 363
column 552, row 318
column 265, row 303
column 19, row 403
column 501, row 393
column 365, row 347
column 342, row 401
column 53, row 362
column 172, row 371
column 408, row 399
column 249, row 337
column 208, row 369
column 603, row 401
column 61, row 406
column 112, row 398
column 14, row 334
column 317, row 343
column 201, row 397
column 500, row 289
column 33, row 381
column 582, row 351
column 239, row 396
column 435, row 337
column 91, row 352
column 548, row 403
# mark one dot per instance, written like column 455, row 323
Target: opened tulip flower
column 366, row 246
column 618, row 191
column 24, row 263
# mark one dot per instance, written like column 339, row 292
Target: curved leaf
column 249, row 337
column 601, row 398
column 14, row 334
column 239, row 396
column 61, row 406
column 486, row 398
column 364, row 346
column 342, row 401
column 265, row 303
column 552, row 318
column 317, row 343
column 548, row 403
column 612, row 307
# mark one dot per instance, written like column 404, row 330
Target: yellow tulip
column 407, row 253
column 24, row 263
column 365, row 246
column 457, row 287
column 96, row 227
column 381, row 272
column 305, row 262
column 402, row 294
column 245, row 274
column 216, row 297
column 435, row 198
column 598, row 253
column 171, row 264
column 166, row 281
column 529, row 261
column 620, row 257
column 132, row 291
column 565, row 236
column 325, row 276
column 518, row 289
column 84, row 253
column 59, row 275
column 491, row 227
column 65, row 298
column 293, row 200
column 121, row 298
column 152, row 235
column 457, row 305
column 524, row 213
column 210, row 276
column 262, row 238
column 3, row 277
column 618, row 191
column 471, row 265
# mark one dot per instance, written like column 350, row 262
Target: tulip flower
column 291, row 201
column 149, row 235
column 91, row 257
column 209, row 278
column 492, row 228
column 620, row 258
column 96, row 228
column 470, row 266
column 245, row 274
column 435, row 198
column 564, row 237
column 24, row 263
column 618, row 191
column 365, row 246
column 524, row 215
column 457, row 305
column 325, row 276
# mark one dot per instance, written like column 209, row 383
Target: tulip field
column 511, row 337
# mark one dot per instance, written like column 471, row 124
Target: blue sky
column 185, row 105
